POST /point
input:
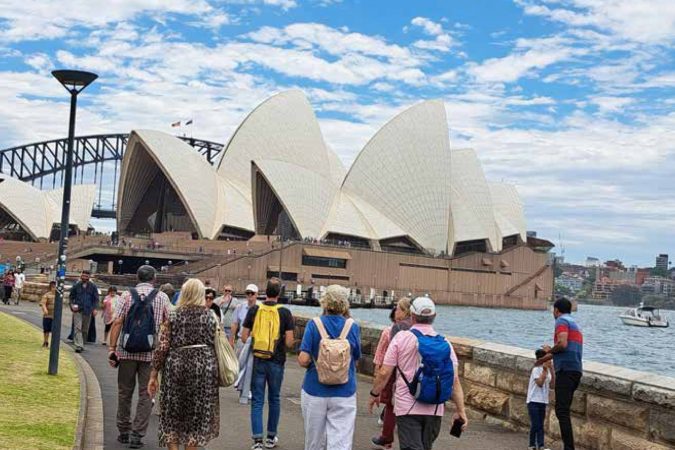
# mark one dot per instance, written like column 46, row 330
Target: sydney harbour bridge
column 96, row 160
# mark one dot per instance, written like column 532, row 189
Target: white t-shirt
column 19, row 279
column 535, row 393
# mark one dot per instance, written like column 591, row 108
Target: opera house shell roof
column 406, row 189
column 36, row 211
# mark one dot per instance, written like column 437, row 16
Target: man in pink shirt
column 419, row 424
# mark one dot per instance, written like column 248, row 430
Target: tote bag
column 228, row 364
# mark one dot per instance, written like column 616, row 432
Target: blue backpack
column 139, row 326
column 434, row 379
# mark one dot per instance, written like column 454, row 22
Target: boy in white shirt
column 541, row 380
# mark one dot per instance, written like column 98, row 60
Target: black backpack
column 138, row 335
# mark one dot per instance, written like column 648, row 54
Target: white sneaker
column 257, row 446
column 271, row 442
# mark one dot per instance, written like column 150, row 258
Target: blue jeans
column 537, row 413
column 271, row 374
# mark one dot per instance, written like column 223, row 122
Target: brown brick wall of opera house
column 519, row 277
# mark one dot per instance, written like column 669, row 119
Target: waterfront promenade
column 235, row 428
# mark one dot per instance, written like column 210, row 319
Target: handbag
column 228, row 364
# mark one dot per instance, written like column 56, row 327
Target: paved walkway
column 235, row 428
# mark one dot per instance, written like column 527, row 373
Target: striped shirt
column 160, row 308
column 568, row 360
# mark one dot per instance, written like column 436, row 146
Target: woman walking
column 328, row 403
column 109, row 303
column 402, row 321
column 189, row 408
column 8, row 284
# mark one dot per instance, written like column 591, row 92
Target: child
column 47, row 305
column 541, row 379
column 109, row 303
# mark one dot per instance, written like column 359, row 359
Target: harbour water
column 606, row 338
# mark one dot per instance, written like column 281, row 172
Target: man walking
column 567, row 352
column 271, row 327
column 134, row 354
column 83, row 304
column 19, row 280
column 225, row 302
column 419, row 423
column 239, row 316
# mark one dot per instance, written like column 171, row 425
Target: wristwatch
column 372, row 394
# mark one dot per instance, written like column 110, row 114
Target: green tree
column 626, row 295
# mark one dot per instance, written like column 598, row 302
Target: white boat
column 644, row 316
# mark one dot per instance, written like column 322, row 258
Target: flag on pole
column 189, row 122
column 175, row 124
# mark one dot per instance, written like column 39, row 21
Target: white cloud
column 645, row 21
column 442, row 40
column 429, row 26
column 47, row 19
column 528, row 56
column 611, row 104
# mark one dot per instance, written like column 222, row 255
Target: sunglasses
column 250, row 293
column 228, row 290
column 209, row 297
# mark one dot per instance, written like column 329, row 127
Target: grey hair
column 145, row 273
column 427, row 320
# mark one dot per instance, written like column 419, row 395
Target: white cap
column 423, row 306
column 251, row 288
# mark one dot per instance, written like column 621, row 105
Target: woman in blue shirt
column 329, row 411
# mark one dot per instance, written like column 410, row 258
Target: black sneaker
column 123, row 438
column 135, row 441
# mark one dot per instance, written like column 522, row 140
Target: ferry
column 644, row 316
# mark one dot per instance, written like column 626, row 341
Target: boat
column 644, row 316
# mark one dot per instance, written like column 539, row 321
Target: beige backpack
column 335, row 355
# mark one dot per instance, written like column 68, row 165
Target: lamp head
column 74, row 80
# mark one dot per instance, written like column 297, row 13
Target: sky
column 570, row 100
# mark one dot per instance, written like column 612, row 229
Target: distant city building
column 603, row 288
column 658, row 286
column 592, row 262
column 628, row 276
column 572, row 282
column 615, row 264
column 662, row 262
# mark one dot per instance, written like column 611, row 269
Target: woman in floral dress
column 189, row 408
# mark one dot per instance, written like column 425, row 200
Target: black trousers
column 565, row 384
column 416, row 432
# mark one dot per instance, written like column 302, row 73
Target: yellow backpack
column 266, row 331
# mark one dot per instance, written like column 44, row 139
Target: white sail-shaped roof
column 471, row 211
column 509, row 211
column 82, row 198
column 306, row 195
column 37, row 211
column 283, row 132
column 190, row 175
column 403, row 173
column 405, row 183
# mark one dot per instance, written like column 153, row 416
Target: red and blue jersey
column 569, row 359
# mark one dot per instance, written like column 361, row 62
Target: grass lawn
column 37, row 411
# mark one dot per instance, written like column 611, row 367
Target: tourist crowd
column 180, row 347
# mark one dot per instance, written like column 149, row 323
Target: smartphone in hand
column 456, row 429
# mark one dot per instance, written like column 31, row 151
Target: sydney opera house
column 410, row 214
column 28, row 212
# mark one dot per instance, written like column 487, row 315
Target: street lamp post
column 120, row 262
column 74, row 81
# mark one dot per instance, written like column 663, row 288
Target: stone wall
column 614, row 408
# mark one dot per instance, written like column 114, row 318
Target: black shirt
column 286, row 323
